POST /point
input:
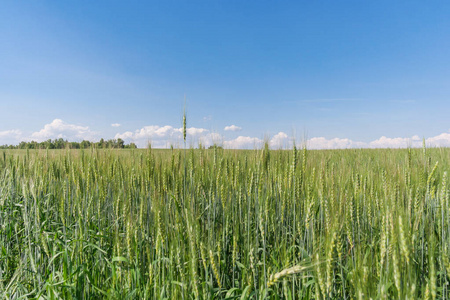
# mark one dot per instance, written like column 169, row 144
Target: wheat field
column 224, row 224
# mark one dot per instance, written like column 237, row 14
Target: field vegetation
column 215, row 224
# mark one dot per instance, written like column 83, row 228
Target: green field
column 215, row 224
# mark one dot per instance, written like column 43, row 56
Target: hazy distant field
column 213, row 224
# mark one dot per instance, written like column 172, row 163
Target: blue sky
column 351, row 72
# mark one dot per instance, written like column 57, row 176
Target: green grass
column 214, row 224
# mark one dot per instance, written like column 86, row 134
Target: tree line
column 65, row 144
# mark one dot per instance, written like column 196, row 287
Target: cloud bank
column 10, row 137
column 60, row 129
column 166, row 136
column 54, row 130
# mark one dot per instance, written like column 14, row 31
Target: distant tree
column 48, row 144
column 215, row 146
column 130, row 146
column 59, row 143
column 33, row 145
column 85, row 144
column 120, row 143
column 101, row 144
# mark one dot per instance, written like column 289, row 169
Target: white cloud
column 160, row 137
column 60, row 129
column 280, row 140
column 10, row 137
column 115, row 125
column 385, row 142
column 210, row 139
column 195, row 131
column 382, row 142
column 232, row 128
column 442, row 140
column 243, row 142
column 164, row 136
column 414, row 141
column 335, row 143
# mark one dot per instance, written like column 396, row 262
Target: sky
column 333, row 74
